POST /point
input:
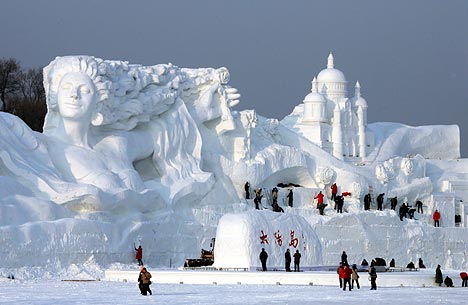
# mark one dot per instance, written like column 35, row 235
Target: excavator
column 206, row 258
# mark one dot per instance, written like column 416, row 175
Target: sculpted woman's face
column 76, row 96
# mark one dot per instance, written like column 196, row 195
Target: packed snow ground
column 105, row 292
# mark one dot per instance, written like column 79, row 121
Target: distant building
column 331, row 120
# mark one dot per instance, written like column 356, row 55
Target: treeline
column 22, row 93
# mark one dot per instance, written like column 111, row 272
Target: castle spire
column 330, row 64
column 357, row 89
column 314, row 85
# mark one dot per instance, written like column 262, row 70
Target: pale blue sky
column 411, row 57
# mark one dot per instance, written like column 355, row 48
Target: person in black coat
column 367, row 202
column 297, row 260
column 344, row 257
column 263, row 258
column 380, row 200
column 247, row 190
column 290, row 197
column 373, row 278
column 393, row 203
column 402, row 211
column 419, row 205
column 287, row 260
column 448, row 282
column 339, row 202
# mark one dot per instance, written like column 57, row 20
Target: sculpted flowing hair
column 128, row 94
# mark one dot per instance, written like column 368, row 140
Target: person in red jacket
column 139, row 255
column 436, row 217
column 464, row 277
column 319, row 198
column 345, row 275
column 334, row 190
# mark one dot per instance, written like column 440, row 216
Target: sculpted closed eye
column 85, row 90
column 65, row 86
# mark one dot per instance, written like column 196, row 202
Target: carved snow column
column 361, row 132
column 361, row 105
column 337, row 134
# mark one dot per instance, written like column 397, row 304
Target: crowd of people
column 404, row 211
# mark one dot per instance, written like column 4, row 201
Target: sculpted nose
column 74, row 93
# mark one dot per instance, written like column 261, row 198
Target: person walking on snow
column 144, row 282
column 436, row 218
column 139, row 255
column 297, row 260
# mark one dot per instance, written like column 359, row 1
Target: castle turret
column 314, row 106
column 361, row 105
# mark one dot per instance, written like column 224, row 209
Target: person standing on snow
column 436, row 217
column 139, row 255
column 380, row 200
column 338, row 271
column 419, row 205
column 373, row 278
column 297, row 260
column 355, row 277
column 346, row 276
column 393, row 203
column 367, row 202
column 287, row 260
column 334, row 191
column 339, row 202
column 319, row 198
column 290, row 198
column 438, row 276
column 344, row 258
column 247, row 190
column 263, row 258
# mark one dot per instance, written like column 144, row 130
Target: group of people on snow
column 404, row 211
column 287, row 260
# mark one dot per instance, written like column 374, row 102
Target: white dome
column 314, row 97
column 331, row 75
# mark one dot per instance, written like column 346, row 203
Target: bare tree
column 9, row 70
column 30, row 102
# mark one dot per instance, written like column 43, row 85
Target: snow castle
column 154, row 155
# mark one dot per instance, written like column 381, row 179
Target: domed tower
column 314, row 106
column 332, row 82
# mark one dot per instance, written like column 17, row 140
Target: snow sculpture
column 155, row 154
column 407, row 166
column 325, row 175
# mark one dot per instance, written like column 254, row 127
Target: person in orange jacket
column 436, row 217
